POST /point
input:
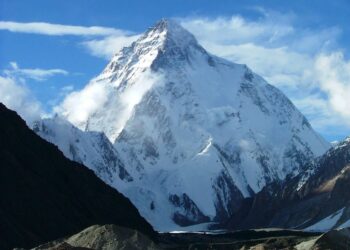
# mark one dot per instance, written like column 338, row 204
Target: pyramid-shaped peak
column 167, row 36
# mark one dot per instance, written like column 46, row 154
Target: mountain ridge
column 45, row 196
column 319, row 202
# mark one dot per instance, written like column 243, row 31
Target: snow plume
column 133, row 94
column 79, row 105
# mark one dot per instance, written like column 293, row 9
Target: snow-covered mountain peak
column 165, row 37
column 174, row 33
column 196, row 133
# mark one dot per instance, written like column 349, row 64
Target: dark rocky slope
column 45, row 196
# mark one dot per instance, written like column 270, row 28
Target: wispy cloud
column 51, row 29
column 36, row 74
column 107, row 40
column 62, row 93
column 108, row 46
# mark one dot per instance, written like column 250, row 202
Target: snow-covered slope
column 316, row 200
column 194, row 133
column 93, row 149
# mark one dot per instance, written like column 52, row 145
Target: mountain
column 190, row 135
column 315, row 200
column 45, row 196
column 90, row 148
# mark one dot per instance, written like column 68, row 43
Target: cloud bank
column 16, row 96
column 307, row 64
column 79, row 105
column 333, row 73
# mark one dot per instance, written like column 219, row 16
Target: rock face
column 45, row 196
column 190, row 135
column 317, row 199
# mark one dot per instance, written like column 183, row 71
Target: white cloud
column 270, row 45
column 62, row 93
column 333, row 73
column 58, row 29
column 272, row 30
column 79, row 105
column 36, row 74
column 319, row 110
column 134, row 93
column 274, row 64
column 236, row 29
column 108, row 46
column 15, row 95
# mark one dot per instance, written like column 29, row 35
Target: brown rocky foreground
column 111, row 237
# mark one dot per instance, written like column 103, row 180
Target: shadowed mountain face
column 45, row 196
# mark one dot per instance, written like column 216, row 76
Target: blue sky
column 302, row 47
